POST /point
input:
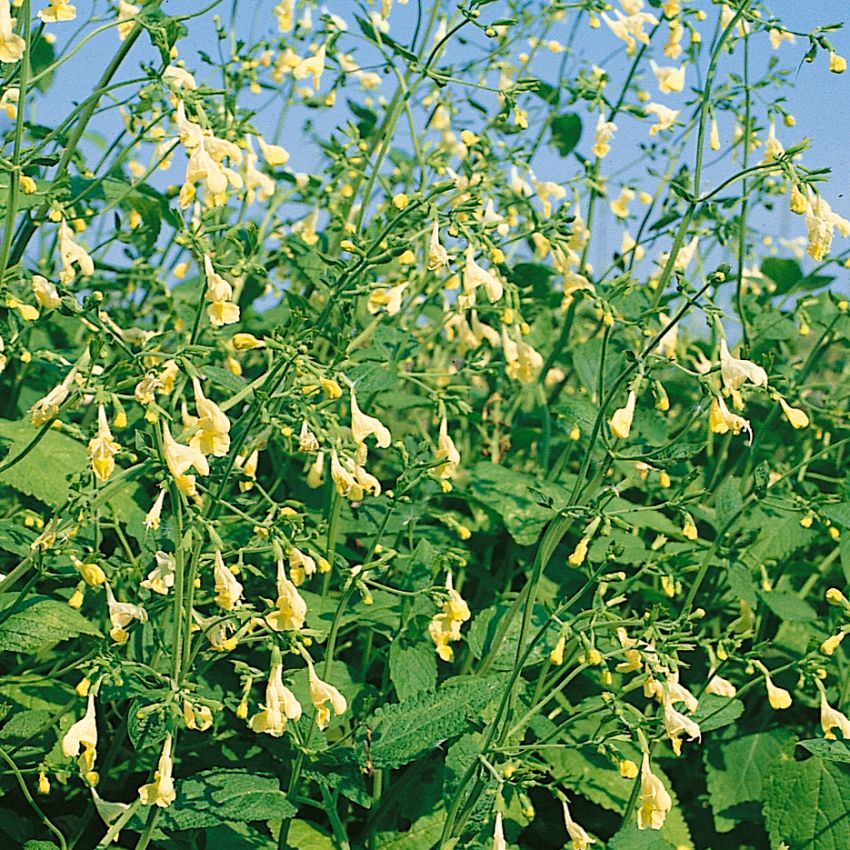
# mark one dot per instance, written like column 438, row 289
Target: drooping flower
column 12, row 46
column 213, row 434
column 438, row 257
column 222, row 310
column 108, row 811
column 102, row 448
column 161, row 791
column 676, row 724
column 778, row 697
column 363, row 426
column 720, row 687
column 161, row 578
column 312, row 66
column 655, row 801
column 152, row 518
column 321, row 695
column 280, row 706
column 445, row 626
column 121, row 614
column 71, row 254
column 83, row 734
column 621, row 421
column 180, row 459
column 475, row 276
column 47, row 408
column 604, row 133
column 579, row 838
column 126, row 14
column 228, row 591
column 831, row 718
column 670, row 78
column 795, row 415
column 721, row 420
column 446, row 450
column 58, row 11
column 291, row 611
column 736, row 373
column 666, row 117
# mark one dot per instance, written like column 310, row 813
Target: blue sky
column 817, row 99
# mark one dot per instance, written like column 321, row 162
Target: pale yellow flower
column 108, row 811
column 301, row 566
column 720, row 687
column 721, row 420
column 475, row 276
column 363, row 426
column 161, row 578
column 655, row 801
column 161, row 791
column 795, row 415
column 621, row 421
column 666, row 117
column 58, row 11
column 12, row 46
column 291, row 611
column 47, row 408
column 45, row 292
column 152, row 518
column 121, row 614
column 102, row 448
column 213, row 434
column 736, row 373
column 312, row 66
column 579, row 839
column 778, row 697
column 445, row 627
column 83, row 734
column 831, row 718
column 197, row 717
column 228, row 591
column 180, row 459
column 670, row 78
column 280, row 706
column 604, row 133
column 447, row 451
column 274, row 155
column 126, row 14
column 72, row 254
column 321, row 695
column 676, row 724
column 499, row 842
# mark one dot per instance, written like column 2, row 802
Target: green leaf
column 407, row 730
column 566, row 132
column 715, row 712
column 806, row 804
column 838, row 513
column 788, row 606
column 40, row 622
column 147, row 725
column 212, row 797
column 307, row 836
column 509, row 494
column 25, row 724
column 424, row 832
column 728, row 500
column 225, row 379
column 632, row 838
column 785, row 273
column 735, row 770
column 413, row 669
column 828, row 750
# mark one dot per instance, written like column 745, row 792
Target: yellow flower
column 102, row 448
column 153, row 515
column 274, row 155
column 579, row 839
column 666, row 117
column 604, row 133
column 736, row 372
column 556, row 656
column 197, row 717
column 43, row 783
column 831, row 718
column 313, row 66
column 621, row 421
column 321, row 693
column 161, row 578
column 27, row 311
column 28, row 185
column 721, row 420
column 714, row 135
column 221, row 311
column 160, row 792
column 499, row 842
column 386, row 299
column 837, row 63
column 475, row 276
column 108, row 812
column 246, row 342
column 446, row 450
column 438, row 257
column 676, row 724
column 12, row 46
column 670, row 78
column 778, row 697
column 58, row 11
column 47, row 408
column 291, row 609
column 655, row 801
column 689, row 529
column 720, row 687
column 620, row 206
column 363, row 426
column 180, row 459
column 83, row 734
column 285, row 15
column 213, row 434
column 444, row 627
column 121, row 614
column 280, row 706
column 795, row 415
column 9, row 100
column 628, row 769
column 227, row 589
column 126, row 14
column 92, row 574
column 71, row 254
column 45, row 292
column 301, row 566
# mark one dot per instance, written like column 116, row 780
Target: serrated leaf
column 728, row 500
column 406, row 730
column 413, row 669
column 212, row 797
column 828, row 750
column 788, row 606
column 146, row 725
column 735, row 772
column 806, row 804
column 39, row 622
column 632, row 838
column 225, row 379
column 424, row 832
column 25, row 724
